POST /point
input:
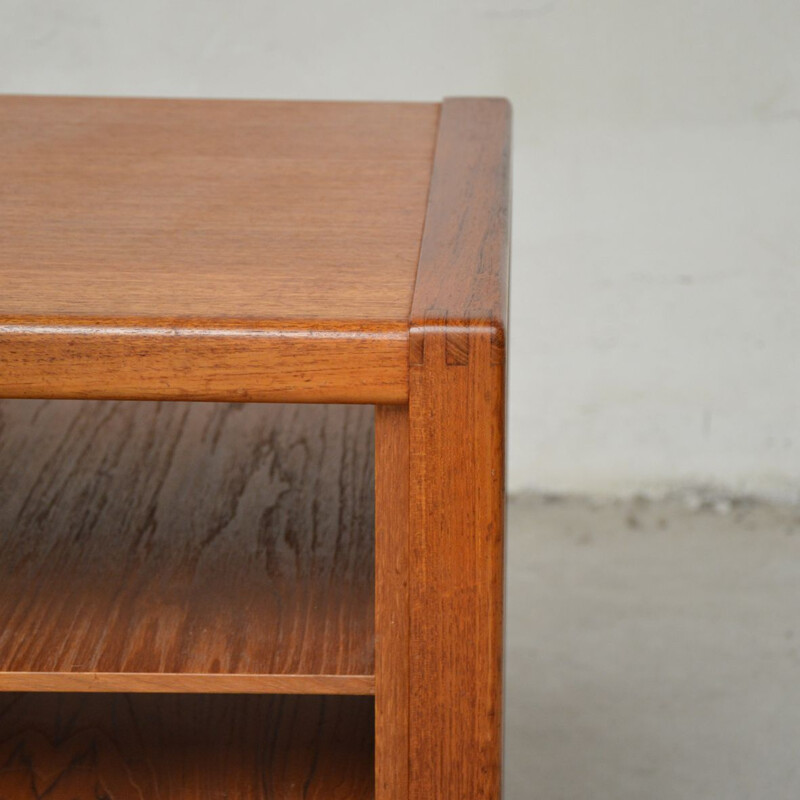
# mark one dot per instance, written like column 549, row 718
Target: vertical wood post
column 456, row 557
column 391, row 602
column 457, row 459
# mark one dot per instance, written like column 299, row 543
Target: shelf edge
column 188, row 683
column 272, row 363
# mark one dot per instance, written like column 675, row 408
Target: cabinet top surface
column 247, row 250
column 211, row 210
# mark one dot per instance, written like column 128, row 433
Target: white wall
column 657, row 195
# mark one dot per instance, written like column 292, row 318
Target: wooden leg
column 440, row 483
column 456, row 516
column 391, row 602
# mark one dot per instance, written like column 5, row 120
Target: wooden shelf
column 228, row 556
column 210, row 250
column 186, row 547
column 178, row 747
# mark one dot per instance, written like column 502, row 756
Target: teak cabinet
column 293, row 589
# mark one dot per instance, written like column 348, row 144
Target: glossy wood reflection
column 252, row 252
column 209, row 250
column 231, row 544
column 457, row 398
column 204, row 209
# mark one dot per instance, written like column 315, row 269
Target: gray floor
column 653, row 651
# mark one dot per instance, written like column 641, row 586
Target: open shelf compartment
column 185, row 747
column 186, row 547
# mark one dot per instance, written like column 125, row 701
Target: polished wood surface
column 391, row 602
column 186, row 547
column 107, row 360
column 197, row 250
column 192, row 248
column 167, row 747
column 457, row 461
column 462, row 279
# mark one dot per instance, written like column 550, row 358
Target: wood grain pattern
column 252, row 251
column 391, row 602
column 187, row 248
column 462, row 279
column 178, row 747
column 186, row 682
column 109, row 359
column 186, row 547
column 457, row 461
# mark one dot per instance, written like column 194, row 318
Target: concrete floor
column 653, row 651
